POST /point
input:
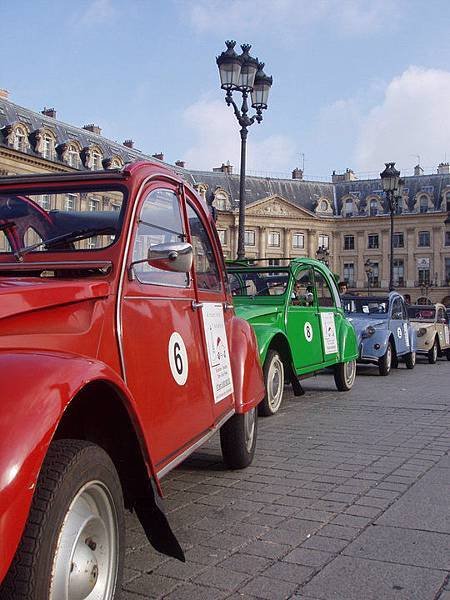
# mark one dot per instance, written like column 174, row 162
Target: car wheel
column 273, row 371
column 344, row 375
column 410, row 360
column 385, row 362
column 433, row 353
column 238, row 439
column 73, row 544
column 447, row 354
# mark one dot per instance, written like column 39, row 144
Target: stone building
column 346, row 219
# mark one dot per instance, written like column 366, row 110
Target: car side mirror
column 175, row 257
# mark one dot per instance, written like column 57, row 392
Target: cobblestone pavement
column 348, row 497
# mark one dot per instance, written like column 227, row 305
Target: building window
column 96, row 161
column 93, row 242
column 399, row 240
column 373, row 208
column 274, row 239
column 447, row 202
column 447, row 271
column 249, row 238
column 45, row 201
column 373, row 241
column 222, row 233
column 324, row 241
column 349, row 273
column 69, row 201
column 424, row 276
column 349, row 242
column 423, row 204
column 374, row 276
column 349, row 208
column 298, row 240
column 48, row 147
column 424, row 239
column 447, row 238
column 399, row 272
column 94, row 203
column 73, row 157
column 20, row 139
column 274, row 262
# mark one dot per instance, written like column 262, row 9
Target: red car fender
column 248, row 380
column 32, row 406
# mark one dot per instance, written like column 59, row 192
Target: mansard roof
column 304, row 194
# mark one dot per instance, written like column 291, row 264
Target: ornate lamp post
column 322, row 254
column 368, row 268
column 243, row 73
column 390, row 179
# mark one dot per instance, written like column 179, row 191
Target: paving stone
column 356, row 579
column 245, row 563
column 351, row 521
column 269, row 588
column 190, row 591
column 221, row 578
column 338, row 531
column 267, row 549
column 289, row 572
column 326, row 544
column 307, row 557
column 151, row 586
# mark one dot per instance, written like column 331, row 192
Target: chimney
column 349, row 175
column 93, row 128
column 225, row 168
column 443, row 168
column 4, row 94
column 418, row 170
column 49, row 112
column 158, row 155
column 129, row 143
column 180, row 163
column 297, row 173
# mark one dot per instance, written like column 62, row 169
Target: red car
column 120, row 354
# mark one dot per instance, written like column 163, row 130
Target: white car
column 432, row 325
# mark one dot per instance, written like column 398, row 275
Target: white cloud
column 413, row 118
column 216, row 140
column 288, row 16
column 98, row 11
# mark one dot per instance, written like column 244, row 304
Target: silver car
column 432, row 325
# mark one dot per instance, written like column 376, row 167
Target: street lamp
column 368, row 268
column 390, row 180
column 322, row 254
column 243, row 73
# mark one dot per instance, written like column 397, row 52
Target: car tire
column 344, row 375
column 447, row 354
column 273, row 372
column 433, row 353
column 394, row 362
column 74, row 538
column 238, row 439
column 410, row 360
column 385, row 362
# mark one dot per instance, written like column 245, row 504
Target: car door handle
column 228, row 306
column 196, row 305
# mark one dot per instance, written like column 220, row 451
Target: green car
column 299, row 323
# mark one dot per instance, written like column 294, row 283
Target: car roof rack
column 113, row 174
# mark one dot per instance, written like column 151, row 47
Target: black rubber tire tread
column 382, row 362
column 232, row 441
column 433, row 358
column 409, row 361
column 25, row 579
column 339, row 378
column 264, row 409
column 447, row 354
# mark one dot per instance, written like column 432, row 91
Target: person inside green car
column 302, row 293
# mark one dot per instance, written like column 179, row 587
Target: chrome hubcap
column 86, row 558
column 434, row 352
column 249, row 425
column 350, row 372
column 388, row 358
column 275, row 384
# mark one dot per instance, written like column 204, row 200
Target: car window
column 159, row 222
column 397, row 312
column 303, row 289
column 205, row 264
column 442, row 316
column 324, row 294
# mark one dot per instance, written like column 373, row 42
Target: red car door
column 162, row 339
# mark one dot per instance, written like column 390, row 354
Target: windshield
column 58, row 221
column 421, row 313
column 366, row 306
column 258, row 283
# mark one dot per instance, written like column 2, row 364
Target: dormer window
column 349, row 208
column 96, row 160
column 20, row 139
column 373, row 208
column 423, row 204
column 73, row 156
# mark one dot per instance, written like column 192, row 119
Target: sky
column 356, row 83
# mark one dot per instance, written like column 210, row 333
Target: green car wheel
column 344, row 375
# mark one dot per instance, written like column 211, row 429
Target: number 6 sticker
column 178, row 359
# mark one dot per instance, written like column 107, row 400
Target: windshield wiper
column 70, row 236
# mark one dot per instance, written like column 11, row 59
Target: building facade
column 346, row 221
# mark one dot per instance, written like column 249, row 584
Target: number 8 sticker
column 178, row 359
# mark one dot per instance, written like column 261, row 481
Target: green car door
column 303, row 326
column 329, row 317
